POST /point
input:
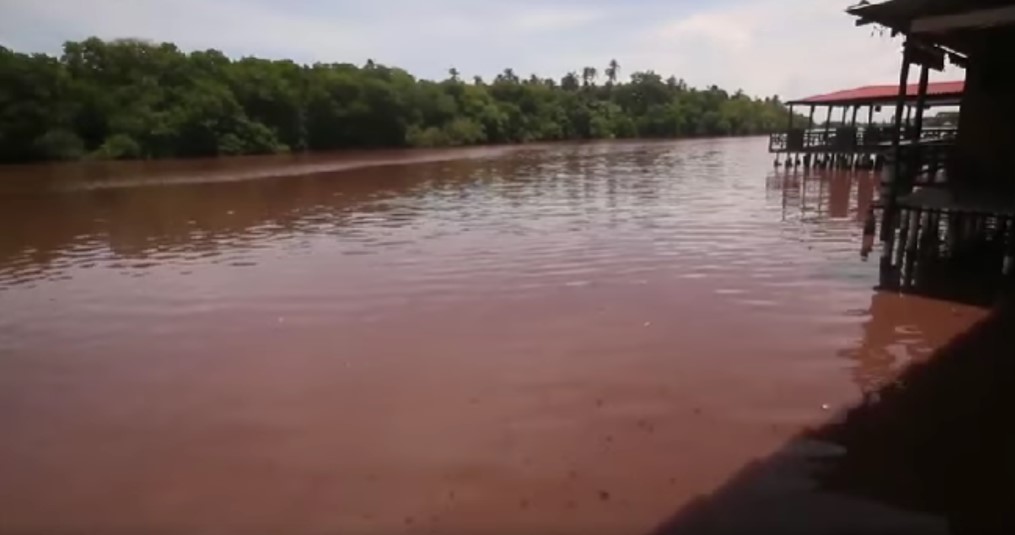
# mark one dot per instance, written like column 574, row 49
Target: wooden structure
column 948, row 208
column 842, row 141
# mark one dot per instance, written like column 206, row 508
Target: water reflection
column 824, row 195
column 315, row 346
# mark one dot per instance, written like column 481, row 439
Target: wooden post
column 921, row 101
column 810, row 126
column 828, row 124
column 856, row 138
column 905, row 224
column 899, row 105
column 789, row 134
column 909, row 117
column 889, row 190
column 870, row 125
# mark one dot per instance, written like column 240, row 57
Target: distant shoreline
column 137, row 100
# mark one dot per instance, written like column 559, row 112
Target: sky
column 791, row 48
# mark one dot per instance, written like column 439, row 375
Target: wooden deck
column 847, row 140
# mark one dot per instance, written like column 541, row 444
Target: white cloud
column 721, row 29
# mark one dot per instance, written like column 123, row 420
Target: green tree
column 569, row 82
column 128, row 98
column 612, row 71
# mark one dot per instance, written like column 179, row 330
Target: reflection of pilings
column 828, row 160
column 792, row 160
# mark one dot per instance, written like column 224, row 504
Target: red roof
column 887, row 93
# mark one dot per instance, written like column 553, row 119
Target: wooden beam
column 921, row 102
column 892, row 188
column 982, row 18
column 958, row 60
column 928, row 55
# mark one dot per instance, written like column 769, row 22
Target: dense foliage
column 133, row 99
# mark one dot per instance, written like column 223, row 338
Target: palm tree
column 569, row 82
column 611, row 72
column 589, row 76
column 453, row 72
column 478, row 80
column 510, row 76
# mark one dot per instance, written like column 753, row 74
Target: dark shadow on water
column 941, row 439
column 931, row 452
column 973, row 278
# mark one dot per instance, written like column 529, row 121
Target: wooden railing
column 848, row 139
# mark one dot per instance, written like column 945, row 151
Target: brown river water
column 544, row 339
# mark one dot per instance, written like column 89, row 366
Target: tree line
column 127, row 99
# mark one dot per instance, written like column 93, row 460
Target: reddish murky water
column 551, row 339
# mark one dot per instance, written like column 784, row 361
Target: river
column 575, row 338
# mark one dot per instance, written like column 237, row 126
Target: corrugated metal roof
column 874, row 94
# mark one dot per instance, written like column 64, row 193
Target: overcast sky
column 792, row 48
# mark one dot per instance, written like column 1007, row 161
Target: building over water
column 947, row 199
column 855, row 139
